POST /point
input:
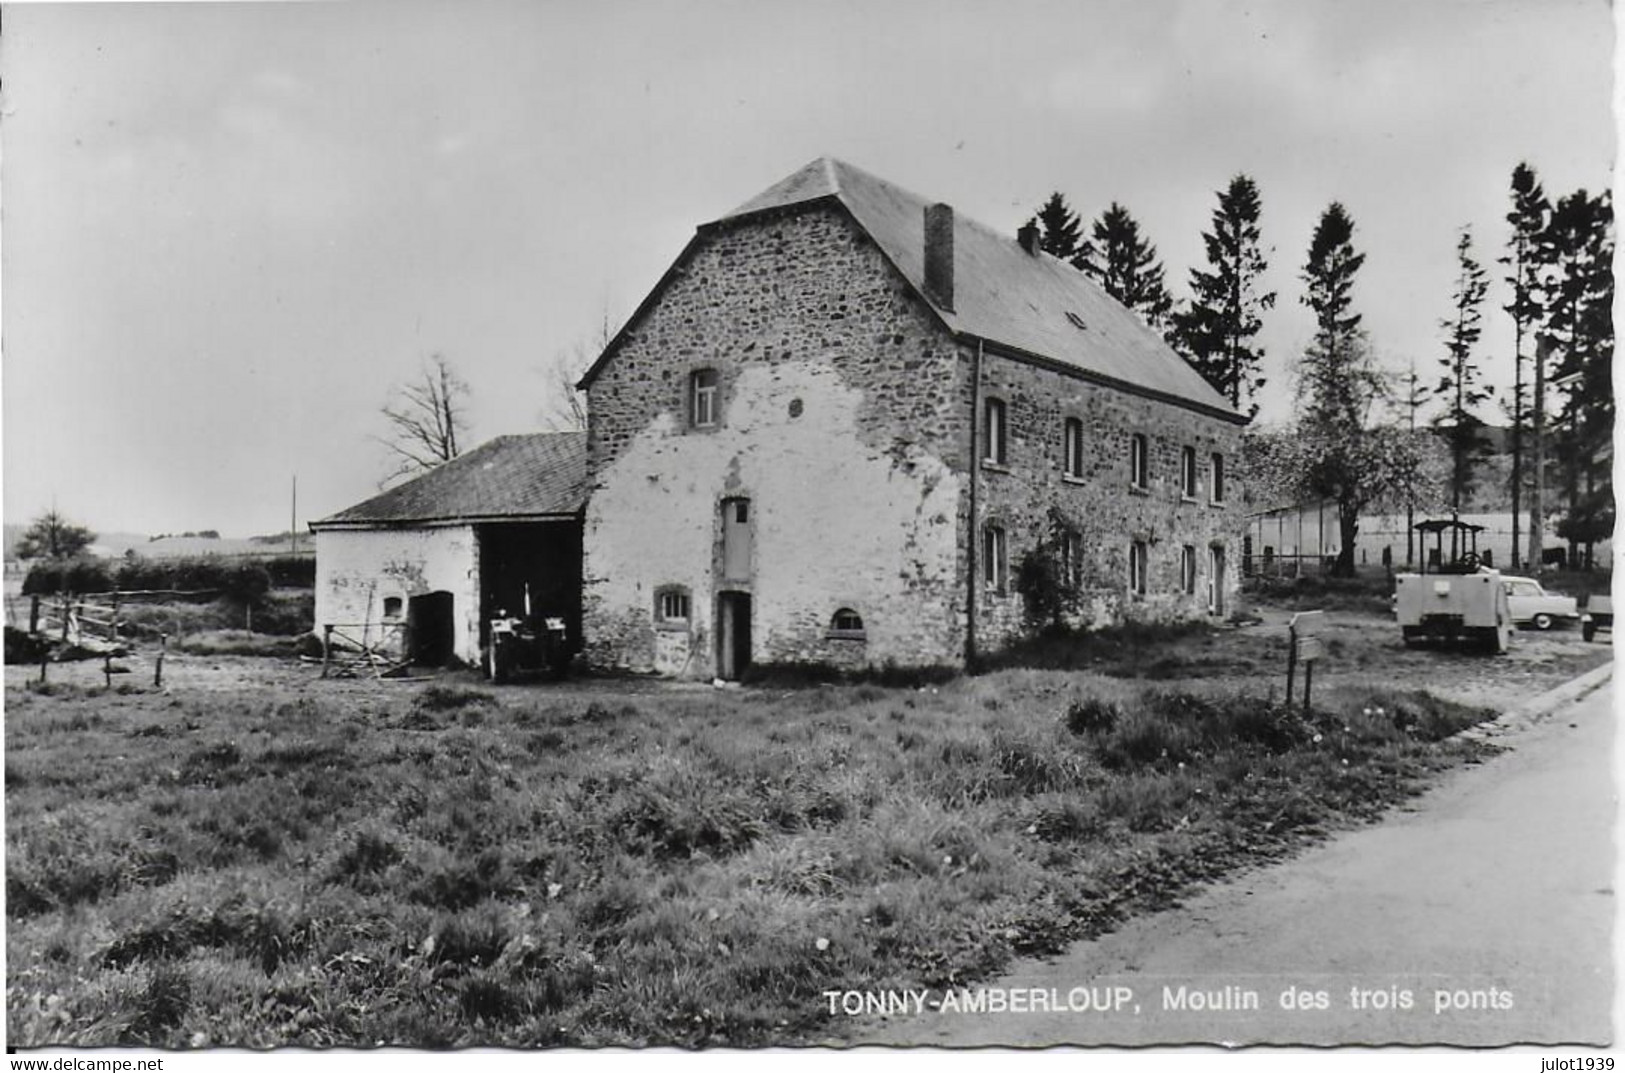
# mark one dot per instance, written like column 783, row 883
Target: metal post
column 1291, row 663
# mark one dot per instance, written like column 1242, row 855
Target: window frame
column 1187, row 569
column 1072, row 558
column 1187, row 472
column 1139, row 569
column 670, row 621
column 839, row 632
column 1139, row 462
column 1215, row 483
column 703, row 385
column 995, row 448
column 995, row 557
column 1072, row 448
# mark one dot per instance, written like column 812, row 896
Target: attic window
column 1077, row 321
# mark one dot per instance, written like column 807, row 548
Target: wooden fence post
column 33, row 613
column 107, row 669
column 327, row 648
column 158, row 668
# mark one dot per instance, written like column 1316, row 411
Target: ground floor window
column 993, row 558
column 672, row 606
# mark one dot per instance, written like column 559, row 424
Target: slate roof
column 1030, row 304
column 510, row 478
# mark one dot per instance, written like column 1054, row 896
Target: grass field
column 256, row 857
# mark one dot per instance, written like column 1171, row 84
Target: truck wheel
column 1541, row 621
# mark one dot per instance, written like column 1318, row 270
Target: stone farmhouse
column 421, row 569
column 845, row 416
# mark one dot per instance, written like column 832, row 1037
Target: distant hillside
column 112, row 545
column 115, row 545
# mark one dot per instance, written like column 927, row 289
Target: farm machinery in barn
column 526, row 643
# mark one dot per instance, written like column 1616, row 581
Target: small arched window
column 846, row 623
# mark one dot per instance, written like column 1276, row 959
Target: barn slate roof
column 511, row 478
column 1031, row 306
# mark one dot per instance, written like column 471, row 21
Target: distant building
column 1298, row 538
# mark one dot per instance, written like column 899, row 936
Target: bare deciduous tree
column 426, row 420
column 566, row 409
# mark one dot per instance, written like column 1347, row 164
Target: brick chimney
column 1027, row 235
column 939, row 255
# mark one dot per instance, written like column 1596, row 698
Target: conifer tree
column 1579, row 320
column 1059, row 231
column 1216, row 332
column 1524, row 261
column 1126, row 265
column 1461, row 385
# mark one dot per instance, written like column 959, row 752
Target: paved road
column 1492, row 896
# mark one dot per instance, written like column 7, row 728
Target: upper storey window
column 1187, row 472
column 1216, row 479
column 1073, row 446
column 993, row 431
column 702, row 398
column 1139, row 461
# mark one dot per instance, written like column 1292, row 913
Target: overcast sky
column 230, row 229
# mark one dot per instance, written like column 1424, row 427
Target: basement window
column 846, row 625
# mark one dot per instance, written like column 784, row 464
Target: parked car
column 1534, row 606
column 1599, row 615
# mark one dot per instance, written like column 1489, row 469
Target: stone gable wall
column 838, row 418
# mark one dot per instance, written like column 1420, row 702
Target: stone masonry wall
column 358, row 569
column 1030, row 495
column 837, row 405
